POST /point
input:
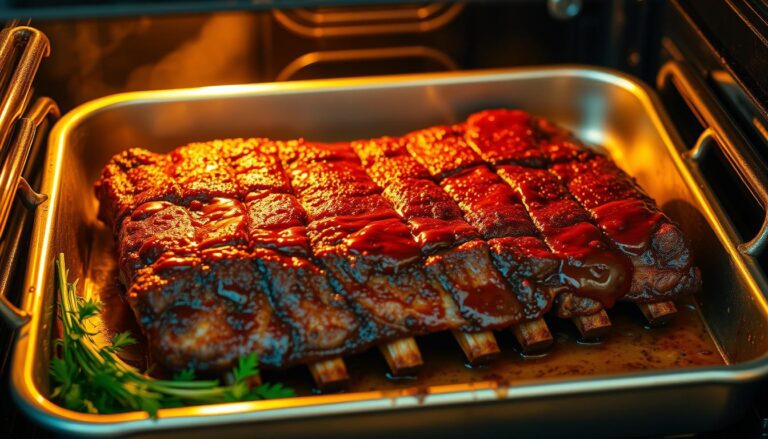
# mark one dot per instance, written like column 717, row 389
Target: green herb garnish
column 92, row 378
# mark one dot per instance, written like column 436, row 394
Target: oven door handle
column 21, row 149
column 22, row 49
column 721, row 133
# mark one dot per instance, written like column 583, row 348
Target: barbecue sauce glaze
column 206, row 225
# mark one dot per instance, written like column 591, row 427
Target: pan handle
column 720, row 133
column 22, row 148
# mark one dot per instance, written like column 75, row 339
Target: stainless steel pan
column 603, row 107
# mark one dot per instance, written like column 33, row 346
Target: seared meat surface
column 363, row 243
column 303, row 251
column 538, row 271
column 518, row 252
column 660, row 258
column 225, row 269
column 454, row 252
column 596, row 269
column 662, row 261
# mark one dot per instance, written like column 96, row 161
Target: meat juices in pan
column 303, row 252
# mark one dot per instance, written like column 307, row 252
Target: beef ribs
column 363, row 243
column 454, row 252
column 302, row 251
column 627, row 216
column 216, row 267
column 437, row 147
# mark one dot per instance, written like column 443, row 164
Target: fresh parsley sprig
column 92, row 378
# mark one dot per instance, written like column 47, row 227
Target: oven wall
column 96, row 57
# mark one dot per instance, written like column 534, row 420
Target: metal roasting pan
column 603, row 107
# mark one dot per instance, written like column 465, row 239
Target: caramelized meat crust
column 661, row 263
column 364, row 244
column 455, row 253
column 217, row 264
column 302, row 251
column 593, row 283
column 660, row 254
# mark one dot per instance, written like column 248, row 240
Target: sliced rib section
column 466, row 269
column 455, row 254
column 516, row 137
column 598, row 271
column 502, row 137
column 442, row 150
column 205, row 311
column 366, row 247
column 662, row 265
column 130, row 179
column 509, row 139
column 502, row 220
column 521, row 256
column 216, row 262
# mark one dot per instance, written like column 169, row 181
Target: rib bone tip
column 329, row 374
column 533, row 336
column 658, row 313
column 479, row 347
column 403, row 356
column 593, row 326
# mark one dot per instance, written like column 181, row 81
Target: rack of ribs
column 590, row 275
column 216, row 261
column 663, row 269
column 367, row 250
column 455, row 250
column 306, row 252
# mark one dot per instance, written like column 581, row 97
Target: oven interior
column 104, row 48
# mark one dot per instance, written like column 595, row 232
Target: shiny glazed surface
column 391, row 253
